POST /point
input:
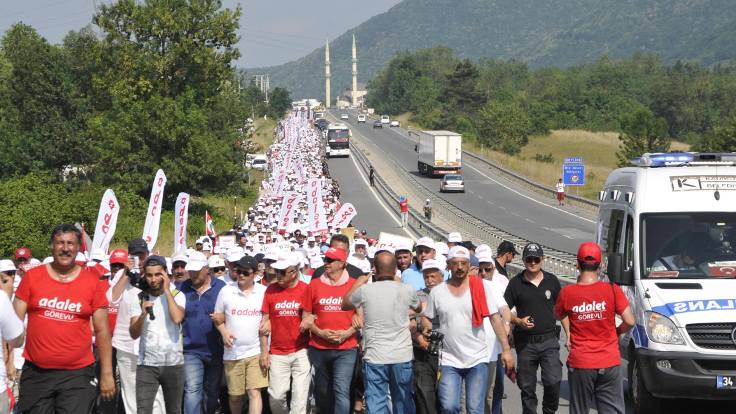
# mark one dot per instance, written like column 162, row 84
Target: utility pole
column 327, row 73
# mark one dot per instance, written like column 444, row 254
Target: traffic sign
column 573, row 174
column 573, row 160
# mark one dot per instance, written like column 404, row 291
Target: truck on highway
column 338, row 140
column 438, row 152
column 667, row 226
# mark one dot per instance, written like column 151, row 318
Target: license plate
column 725, row 382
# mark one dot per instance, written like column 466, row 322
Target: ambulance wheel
column 642, row 400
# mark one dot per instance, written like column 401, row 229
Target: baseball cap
column 155, row 261
column 234, row 255
column 506, row 247
column 137, row 246
column 361, row 242
column 441, row 248
column 215, row 261
column 98, row 255
column 403, row 246
column 426, row 242
column 271, row 254
column 23, row 253
column 484, row 257
column 384, row 248
column 431, row 264
column 197, row 260
column 286, row 260
column 532, row 250
column 247, row 262
column 119, row 256
column 483, row 248
column 589, row 252
column 458, row 252
column 180, row 257
column 7, row 266
column 454, row 237
column 336, row 254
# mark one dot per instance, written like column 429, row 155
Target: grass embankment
column 263, row 135
column 598, row 150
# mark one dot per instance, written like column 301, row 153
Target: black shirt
column 535, row 301
column 353, row 271
column 501, row 269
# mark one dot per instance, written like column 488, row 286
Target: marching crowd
column 299, row 315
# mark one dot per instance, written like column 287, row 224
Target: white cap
column 206, row 247
column 360, row 242
column 404, row 246
column 7, row 265
column 98, row 255
column 217, row 250
column 483, row 248
column 197, row 260
column 441, row 249
column 454, row 237
column 215, row 261
column 271, row 254
column 385, row 248
column 431, row 264
column 286, row 260
column 484, row 257
column 234, row 255
column 426, row 242
column 180, row 257
column 458, row 252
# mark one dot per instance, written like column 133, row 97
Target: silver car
column 452, row 182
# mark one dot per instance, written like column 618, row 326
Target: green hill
column 539, row 32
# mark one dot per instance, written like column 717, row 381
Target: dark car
column 321, row 123
column 377, row 124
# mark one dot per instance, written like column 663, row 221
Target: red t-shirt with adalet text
column 59, row 333
column 325, row 303
column 284, row 308
column 590, row 308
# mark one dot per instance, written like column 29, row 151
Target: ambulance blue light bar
column 663, row 159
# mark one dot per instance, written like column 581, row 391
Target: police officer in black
column 534, row 292
column 371, row 175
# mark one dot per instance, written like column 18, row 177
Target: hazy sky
column 271, row 31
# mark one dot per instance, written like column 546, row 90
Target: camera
column 435, row 342
column 134, row 275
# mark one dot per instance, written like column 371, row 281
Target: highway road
column 487, row 197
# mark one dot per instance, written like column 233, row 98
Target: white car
column 385, row 119
column 344, row 116
column 361, row 119
column 259, row 164
column 394, row 124
column 452, row 182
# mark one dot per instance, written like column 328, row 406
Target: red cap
column 119, row 256
column 336, row 254
column 23, row 253
column 589, row 252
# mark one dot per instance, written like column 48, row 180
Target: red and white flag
column 288, row 206
column 107, row 221
column 344, row 216
column 181, row 216
column 317, row 220
column 153, row 217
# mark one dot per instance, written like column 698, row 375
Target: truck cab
column 668, row 228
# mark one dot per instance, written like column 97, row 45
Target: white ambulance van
column 667, row 226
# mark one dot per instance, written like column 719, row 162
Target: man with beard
column 403, row 257
column 156, row 319
column 179, row 272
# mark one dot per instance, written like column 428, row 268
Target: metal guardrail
column 529, row 183
column 558, row 262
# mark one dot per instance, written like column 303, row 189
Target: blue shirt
column 414, row 277
column 200, row 335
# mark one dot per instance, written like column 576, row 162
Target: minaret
column 355, row 73
column 327, row 73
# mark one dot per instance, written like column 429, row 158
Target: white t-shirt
column 464, row 346
column 494, row 296
column 121, row 339
column 363, row 264
column 560, row 187
column 161, row 342
column 10, row 328
column 242, row 318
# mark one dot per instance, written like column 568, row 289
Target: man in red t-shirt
column 60, row 299
column 287, row 360
column 404, row 209
column 333, row 344
column 594, row 371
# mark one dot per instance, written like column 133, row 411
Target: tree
column 461, row 91
column 279, row 102
column 720, row 139
column 641, row 132
column 503, row 126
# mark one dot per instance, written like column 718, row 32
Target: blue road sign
column 573, row 174
column 573, row 160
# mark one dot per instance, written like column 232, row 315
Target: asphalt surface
column 488, row 197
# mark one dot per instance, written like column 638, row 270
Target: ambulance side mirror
column 616, row 272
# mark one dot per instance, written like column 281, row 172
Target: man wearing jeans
column 461, row 305
column 156, row 319
column 388, row 351
column 203, row 348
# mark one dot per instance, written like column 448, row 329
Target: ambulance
column 667, row 226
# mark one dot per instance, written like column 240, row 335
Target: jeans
column 202, row 380
column 601, row 388
column 497, row 406
column 450, row 388
column 293, row 368
column 127, row 365
column 380, row 378
column 147, row 381
column 530, row 357
column 333, row 371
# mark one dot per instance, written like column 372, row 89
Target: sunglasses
column 485, row 270
column 218, row 269
column 243, row 272
column 532, row 260
column 178, row 265
column 328, row 261
column 283, row 271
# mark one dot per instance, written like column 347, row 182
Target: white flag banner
column 288, row 207
column 316, row 206
column 344, row 216
column 153, row 217
column 107, row 221
column 181, row 217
